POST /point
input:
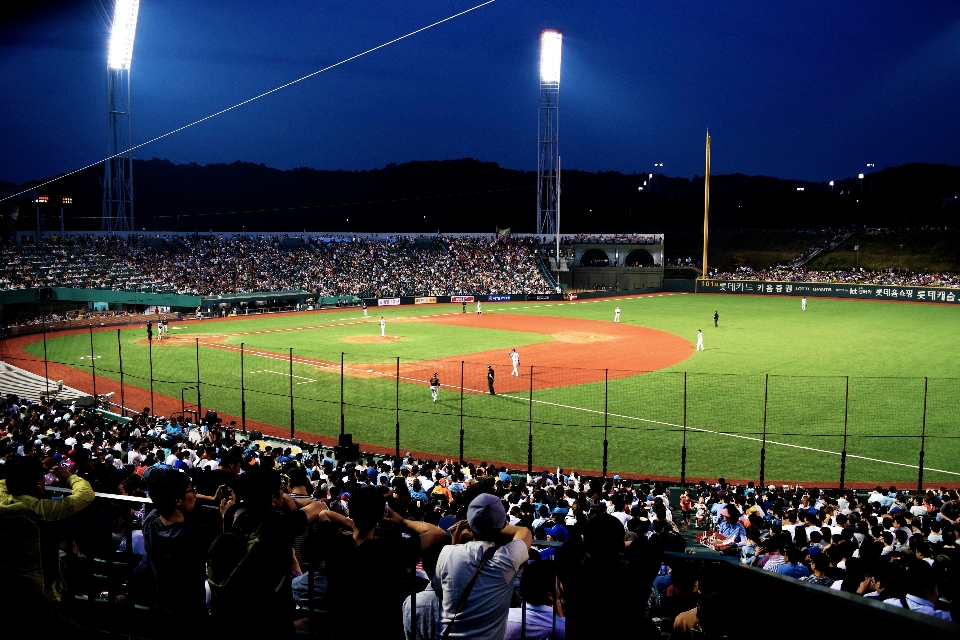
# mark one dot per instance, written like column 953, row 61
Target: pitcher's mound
column 371, row 339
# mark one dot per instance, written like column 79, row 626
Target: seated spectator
column 541, row 617
column 794, row 566
column 474, row 578
column 176, row 550
column 428, row 604
column 922, row 595
column 819, row 566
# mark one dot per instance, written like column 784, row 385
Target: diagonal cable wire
column 257, row 97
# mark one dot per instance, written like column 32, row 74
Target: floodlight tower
column 118, row 169
column 548, row 158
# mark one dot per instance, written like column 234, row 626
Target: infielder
column 479, row 310
column 383, row 327
column 434, row 386
column 803, row 303
column 515, row 358
column 699, row 341
column 616, row 314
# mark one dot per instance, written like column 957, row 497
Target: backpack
column 236, row 569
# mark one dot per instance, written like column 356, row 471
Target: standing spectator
column 34, row 569
column 474, row 579
column 541, row 617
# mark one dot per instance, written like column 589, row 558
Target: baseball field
column 880, row 378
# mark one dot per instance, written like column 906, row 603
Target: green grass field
column 763, row 347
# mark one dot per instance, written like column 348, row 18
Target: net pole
column 199, row 407
column 153, row 411
column 683, row 448
column 93, row 368
column 606, row 399
column 291, row 395
column 461, row 412
column 763, row 444
column 843, row 451
column 923, row 437
column 123, row 404
column 46, row 363
column 398, row 408
column 243, row 396
column 341, row 394
column 530, row 427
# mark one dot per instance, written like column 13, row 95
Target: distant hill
column 473, row 196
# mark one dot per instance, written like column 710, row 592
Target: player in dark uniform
column 716, row 318
column 434, row 386
column 490, row 376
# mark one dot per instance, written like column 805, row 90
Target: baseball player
column 383, row 327
column 716, row 318
column 479, row 310
column 699, row 341
column 490, row 377
column 616, row 314
column 515, row 358
column 199, row 315
column 803, row 303
column 365, row 309
column 463, row 305
column 434, row 386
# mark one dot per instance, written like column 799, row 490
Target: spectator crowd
column 857, row 276
column 215, row 264
column 400, row 547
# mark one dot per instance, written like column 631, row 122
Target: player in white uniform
column 383, row 327
column 803, row 303
column 515, row 358
column 479, row 311
column 699, row 341
column 434, row 386
column 616, row 314
column 365, row 309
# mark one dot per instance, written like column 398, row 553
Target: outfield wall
column 831, row 290
column 514, row 297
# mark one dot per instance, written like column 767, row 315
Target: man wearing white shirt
column 541, row 617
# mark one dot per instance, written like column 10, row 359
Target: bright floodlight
column 121, row 37
column 550, row 55
column 861, row 176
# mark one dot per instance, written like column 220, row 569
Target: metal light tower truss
column 548, row 156
column 118, row 169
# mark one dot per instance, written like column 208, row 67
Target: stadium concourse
column 160, row 521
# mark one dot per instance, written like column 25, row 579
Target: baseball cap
column 486, row 515
column 559, row 532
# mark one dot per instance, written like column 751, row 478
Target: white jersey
column 515, row 357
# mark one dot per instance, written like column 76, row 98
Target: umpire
column 490, row 376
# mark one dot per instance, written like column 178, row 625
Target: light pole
column 861, row 182
column 831, row 187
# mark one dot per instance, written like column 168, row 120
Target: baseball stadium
column 330, row 374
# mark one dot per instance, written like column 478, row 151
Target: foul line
column 731, row 435
column 249, row 100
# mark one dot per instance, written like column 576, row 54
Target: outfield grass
column 886, row 348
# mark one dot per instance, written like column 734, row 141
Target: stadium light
column 122, row 34
column 550, row 40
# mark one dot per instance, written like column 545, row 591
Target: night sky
column 813, row 91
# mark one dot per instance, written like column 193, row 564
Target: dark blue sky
column 812, row 92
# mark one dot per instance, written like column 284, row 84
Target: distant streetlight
column 831, row 187
column 861, row 182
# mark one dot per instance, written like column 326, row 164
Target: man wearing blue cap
column 474, row 577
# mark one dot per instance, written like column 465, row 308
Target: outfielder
column 616, row 314
column 434, row 386
column 515, row 358
column 803, row 303
column 699, row 341
column 383, row 327
column 365, row 309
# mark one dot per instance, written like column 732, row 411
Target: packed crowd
column 211, row 265
column 413, row 548
column 861, row 276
